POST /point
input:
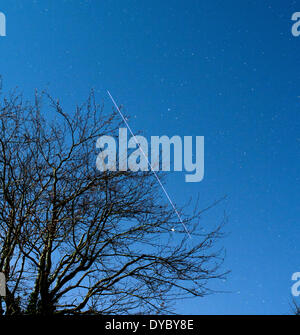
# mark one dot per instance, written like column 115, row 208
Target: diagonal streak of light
column 145, row 156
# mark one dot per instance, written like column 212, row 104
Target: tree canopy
column 74, row 240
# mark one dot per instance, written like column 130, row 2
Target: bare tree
column 295, row 307
column 74, row 240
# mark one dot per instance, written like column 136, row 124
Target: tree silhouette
column 74, row 240
column 295, row 307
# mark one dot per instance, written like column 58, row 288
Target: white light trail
column 155, row 174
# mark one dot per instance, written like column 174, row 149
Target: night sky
column 226, row 70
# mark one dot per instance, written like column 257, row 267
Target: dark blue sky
column 226, row 70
